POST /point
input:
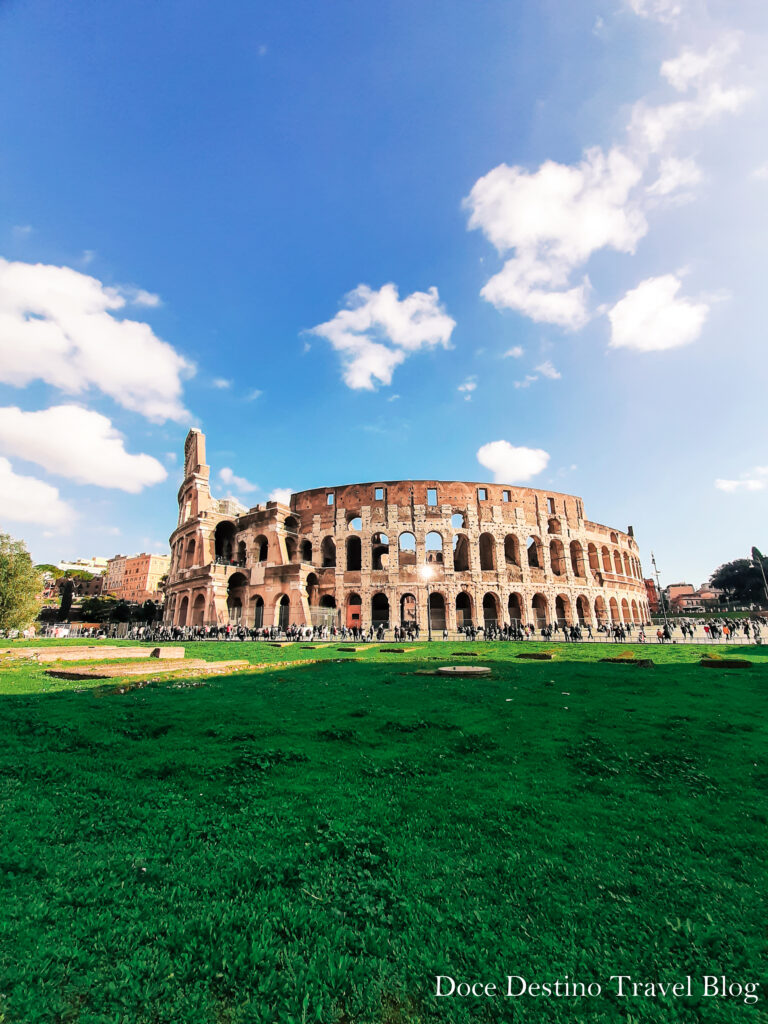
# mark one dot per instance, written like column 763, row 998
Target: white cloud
column 78, row 444
column 221, row 383
column 59, row 325
column 530, row 378
column 239, row 483
column 468, row 386
column 547, row 223
column 281, row 494
column 651, row 317
column 760, row 173
column 23, row 499
column 510, row 464
column 554, row 219
column 393, row 398
column 675, row 174
column 253, row 394
column 665, row 11
column 755, row 480
column 378, row 331
column 514, row 353
column 546, row 369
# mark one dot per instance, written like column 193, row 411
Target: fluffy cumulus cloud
column 653, row 316
column 547, row 223
column 23, row 499
column 554, row 219
column 61, row 326
column 547, row 369
column 238, row 483
column 78, row 444
column 378, row 331
column 281, row 494
column 510, row 464
column 755, row 480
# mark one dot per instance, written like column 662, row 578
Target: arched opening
column 407, row 610
column 354, row 554
column 380, row 551
column 291, row 524
column 562, row 610
column 511, row 550
column 582, row 610
column 463, row 609
column 291, row 547
column 354, row 611
column 437, row 611
column 553, row 526
column 241, row 552
column 625, row 617
column 635, row 615
column 614, row 538
column 306, row 551
column 433, row 548
column 627, row 570
column 183, row 609
column 190, row 559
column 380, row 611
column 328, row 553
column 261, row 548
column 460, row 553
column 198, row 611
column 458, row 521
column 617, row 562
column 614, row 607
column 534, row 553
column 606, row 559
column 235, row 593
column 540, row 610
column 557, row 557
column 577, row 558
column 600, row 613
column 284, row 612
column 490, row 611
column 258, row 612
column 354, row 522
column 594, row 562
column 515, row 609
column 326, row 615
column 224, row 541
column 406, row 549
column 311, row 588
column 487, row 552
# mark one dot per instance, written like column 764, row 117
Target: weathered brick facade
column 361, row 554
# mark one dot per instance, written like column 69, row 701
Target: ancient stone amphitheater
column 394, row 552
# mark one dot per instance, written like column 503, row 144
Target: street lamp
column 425, row 572
column 658, row 585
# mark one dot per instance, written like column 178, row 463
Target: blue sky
column 357, row 241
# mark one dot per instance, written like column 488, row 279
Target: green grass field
column 316, row 841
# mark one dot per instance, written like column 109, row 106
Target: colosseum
column 443, row 553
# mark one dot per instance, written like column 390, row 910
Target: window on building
column 329, row 499
column 550, row 505
column 378, row 494
column 505, row 495
column 482, row 493
column 431, row 495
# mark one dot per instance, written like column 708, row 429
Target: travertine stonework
column 373, row 553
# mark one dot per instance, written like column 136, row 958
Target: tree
column 741, row 580
column 67, row 589
column 20, row 584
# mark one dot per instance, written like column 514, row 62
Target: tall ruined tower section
column 195, row 491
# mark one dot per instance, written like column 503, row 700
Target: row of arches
column 491, row 556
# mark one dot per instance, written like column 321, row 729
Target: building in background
column 653, row 596
column 136, row 577
column 93, row 564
